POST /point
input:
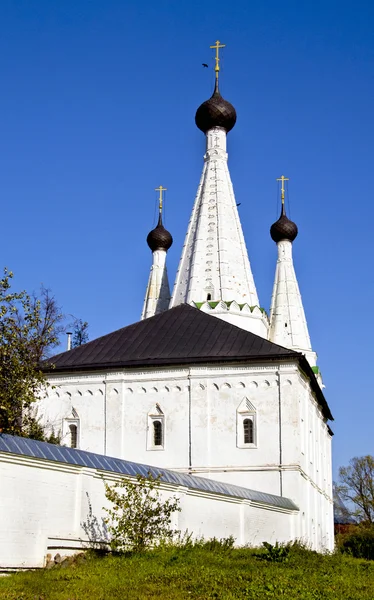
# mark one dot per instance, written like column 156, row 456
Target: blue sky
column 97, row 109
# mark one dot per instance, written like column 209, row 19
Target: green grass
column 198, row 572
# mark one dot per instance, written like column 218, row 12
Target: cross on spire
column 282, row 179
column 160, row 200
column 217, row 46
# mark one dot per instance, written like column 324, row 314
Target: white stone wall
column 251, row 319
column 48, row 507
column 201, row 408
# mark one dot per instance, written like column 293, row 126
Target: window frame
column 250, row 432
column 67, row 431
column 151, row 419
column 243, row 413
column 158, row 432
column 72, row 435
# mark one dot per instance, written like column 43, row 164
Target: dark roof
column 180, row 335
column 62, row 454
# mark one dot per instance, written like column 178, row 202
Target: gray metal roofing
column 62, row 454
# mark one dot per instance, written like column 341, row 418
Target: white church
column 207, row 383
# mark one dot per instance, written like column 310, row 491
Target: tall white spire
column 288, row 326
column 214, row 272
column 157, row 297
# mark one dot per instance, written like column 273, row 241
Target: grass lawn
column 198, row 572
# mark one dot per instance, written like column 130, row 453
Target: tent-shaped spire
column 214, row 272
column 159, row 240
column 288, row 326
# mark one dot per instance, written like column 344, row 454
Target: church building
column 207, row 383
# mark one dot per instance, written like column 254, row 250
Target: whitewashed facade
column 261, row 425
column 202, row 410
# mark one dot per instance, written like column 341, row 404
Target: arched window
column 208, row 297
column 73, row 436
column 248, row 431
column 157, row 433
column 246, row 425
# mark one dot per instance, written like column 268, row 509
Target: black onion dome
column 283, row 229
column 159, row 238
column 215, row 112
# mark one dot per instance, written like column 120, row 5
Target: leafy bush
column 277, row 553
column 140, row 518
column 359, row 543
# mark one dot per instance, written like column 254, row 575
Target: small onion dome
column 283, row 229
column 159, row 238
column 215, row 112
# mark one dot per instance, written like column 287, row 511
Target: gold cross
column 217, row 46
column 282, row 179
column 160, row 189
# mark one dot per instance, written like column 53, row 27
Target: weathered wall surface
column 50, row 507
column 201, row 409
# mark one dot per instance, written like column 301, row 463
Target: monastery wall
column 202, row 411
column 51, row 507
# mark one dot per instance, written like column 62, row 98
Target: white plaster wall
column 292, row 454
column 173, row 399
column 309, row 483
column 250, row 321
column 62, row 498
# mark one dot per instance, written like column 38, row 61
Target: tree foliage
column 29, row 329
column 357, row 487
column 80, row 333
column 139, row 518
column 357, row 541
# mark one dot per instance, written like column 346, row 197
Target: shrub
column 359, row 543
column 139, row 518
column 277, row 553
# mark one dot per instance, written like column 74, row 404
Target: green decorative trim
column 228, row 304
column 315, row 370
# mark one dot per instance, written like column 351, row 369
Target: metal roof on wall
column 61, row 454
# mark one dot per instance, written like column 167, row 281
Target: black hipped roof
column 180, row 335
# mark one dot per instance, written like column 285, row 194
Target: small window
column 246, row 425
column 157, row 433
column 209, row 297
column 248, row 431
column 73, row 436
column 156, row 428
